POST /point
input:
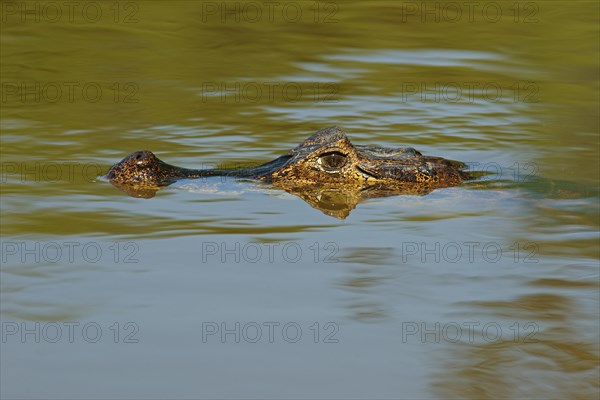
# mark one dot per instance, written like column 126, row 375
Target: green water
column 488, row 290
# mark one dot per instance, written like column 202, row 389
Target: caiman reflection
column 326, row 170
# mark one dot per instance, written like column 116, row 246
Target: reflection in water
column 333, row 201
column 338, row 201
column 548, row 341
column 364, row 283
column 142, row 192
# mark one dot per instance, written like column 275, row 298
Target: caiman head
column 328, row 158
column 144, row 169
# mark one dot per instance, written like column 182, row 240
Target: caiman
column 325, row 163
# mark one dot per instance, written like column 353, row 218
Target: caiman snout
column 421, row 170
column 143, row 157
column 395, row 170
column 140, row 167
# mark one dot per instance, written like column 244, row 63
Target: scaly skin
column 327, row 158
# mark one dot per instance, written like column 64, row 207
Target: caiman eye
column 332, row 162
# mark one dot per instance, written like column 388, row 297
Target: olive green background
column 508, row 87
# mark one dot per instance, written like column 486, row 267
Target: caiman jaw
column 364, row 173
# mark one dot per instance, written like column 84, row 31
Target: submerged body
column 327, row 158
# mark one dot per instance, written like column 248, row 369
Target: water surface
column 226, row 289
